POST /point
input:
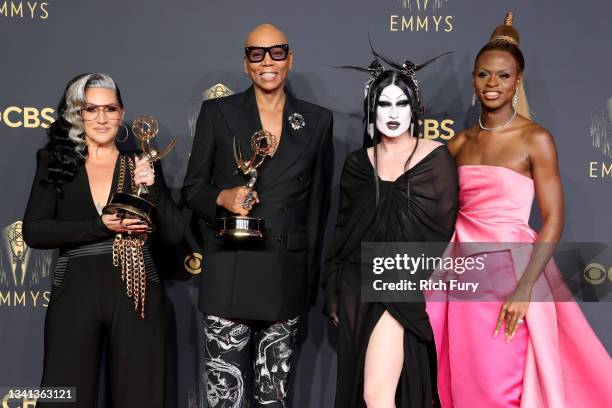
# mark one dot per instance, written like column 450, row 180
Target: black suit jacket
column 267, row 280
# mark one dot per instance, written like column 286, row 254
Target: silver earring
column 127, row 134
column 371, row 130
column 474, row 99
column 515, row 99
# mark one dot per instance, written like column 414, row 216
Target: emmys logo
column 26, row 117
column 216, row 91
column 420, row 19
column 24, row 9
column 423, row 4
column 601, row 139
column 22, row 270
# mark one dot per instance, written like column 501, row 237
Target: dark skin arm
column 544, row 165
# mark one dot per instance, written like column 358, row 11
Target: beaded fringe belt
column 127, row 252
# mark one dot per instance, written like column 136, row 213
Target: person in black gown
column 398, row 188
column 77, row 172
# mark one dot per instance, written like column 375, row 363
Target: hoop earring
column 473, row 99
column 127, row 134
column 515, row 99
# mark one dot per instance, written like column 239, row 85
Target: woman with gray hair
column 77, row 172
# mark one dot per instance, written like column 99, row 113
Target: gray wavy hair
column 75, row 99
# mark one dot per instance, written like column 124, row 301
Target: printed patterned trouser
column 230, row 361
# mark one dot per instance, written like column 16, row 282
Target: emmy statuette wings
column 145, row 128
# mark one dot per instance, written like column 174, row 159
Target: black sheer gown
column 419, row 206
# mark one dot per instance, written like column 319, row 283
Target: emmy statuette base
column 239, row 228
column 131, row 206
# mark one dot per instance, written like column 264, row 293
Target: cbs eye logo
column 596, row 273
column 193, row 263
column 26, row 117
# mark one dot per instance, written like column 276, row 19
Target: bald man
column 252, row 294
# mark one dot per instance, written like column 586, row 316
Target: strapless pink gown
column 555, row 359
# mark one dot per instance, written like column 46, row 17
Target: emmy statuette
column 134, row 205
column 237, row 227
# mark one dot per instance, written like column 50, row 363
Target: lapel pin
column 296, row 121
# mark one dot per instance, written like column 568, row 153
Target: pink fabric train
column 555, row 360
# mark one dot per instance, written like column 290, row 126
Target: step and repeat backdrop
column 168, row 56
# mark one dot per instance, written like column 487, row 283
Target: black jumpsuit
column 89, row 304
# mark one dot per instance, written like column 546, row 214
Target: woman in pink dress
column 519, row 351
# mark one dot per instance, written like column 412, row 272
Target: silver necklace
column 497, row 127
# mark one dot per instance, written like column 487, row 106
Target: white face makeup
column 393, row 112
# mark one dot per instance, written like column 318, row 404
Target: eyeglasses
column 91, row 111
column 257, row 54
